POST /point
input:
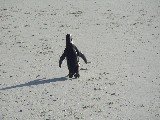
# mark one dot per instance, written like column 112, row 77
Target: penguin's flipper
column 83, row 57
column 61, row 59
column 80, row 54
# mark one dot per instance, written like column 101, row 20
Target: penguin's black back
column 71, row 56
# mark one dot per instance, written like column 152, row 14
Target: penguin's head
column 69, row 40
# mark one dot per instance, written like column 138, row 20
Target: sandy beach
column 120, row 39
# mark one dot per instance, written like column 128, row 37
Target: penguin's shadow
column 36, row 82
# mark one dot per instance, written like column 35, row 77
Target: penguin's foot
column 70, row 75
column 76, row 75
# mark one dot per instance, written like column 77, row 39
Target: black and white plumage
column 72, row 54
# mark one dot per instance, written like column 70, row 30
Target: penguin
column 72, row 54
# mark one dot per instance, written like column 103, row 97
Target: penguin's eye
column 71, row 41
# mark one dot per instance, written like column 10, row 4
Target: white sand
column 121, row 39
